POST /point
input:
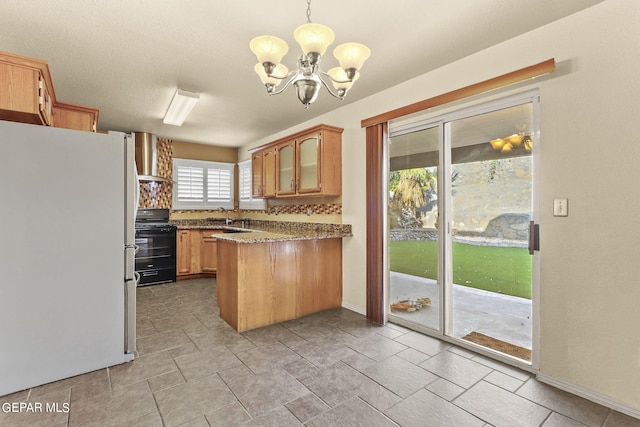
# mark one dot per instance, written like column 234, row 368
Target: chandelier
column 517, row 141
column 314, row 39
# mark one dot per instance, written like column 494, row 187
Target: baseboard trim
column 353, row 307
column 591, row 395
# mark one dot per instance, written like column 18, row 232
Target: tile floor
column 327, row 369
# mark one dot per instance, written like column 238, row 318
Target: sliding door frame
column 376, row 132
column 376, row 258
column 445, row 211
column 532, row 97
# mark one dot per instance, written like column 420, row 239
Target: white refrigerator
column 67, row 280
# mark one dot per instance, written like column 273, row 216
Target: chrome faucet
column 227, row 221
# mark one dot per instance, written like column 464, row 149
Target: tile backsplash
column 158, row 194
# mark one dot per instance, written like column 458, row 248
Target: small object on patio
column 411, row 305
column 402, row 305
column 424, row 301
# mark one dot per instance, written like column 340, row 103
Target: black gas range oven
column 156, row 242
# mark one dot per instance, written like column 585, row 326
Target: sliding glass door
column 415, row 285
column 490, row 199
column 461, row 202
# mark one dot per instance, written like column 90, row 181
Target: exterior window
column 202, row 185
column 247, row 201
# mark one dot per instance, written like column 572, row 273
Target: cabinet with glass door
column 310, row 163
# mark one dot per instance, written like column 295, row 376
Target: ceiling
column 127, row 57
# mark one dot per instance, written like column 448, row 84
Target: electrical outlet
column 560, row 207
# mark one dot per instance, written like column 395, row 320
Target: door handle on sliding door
column 534, row 237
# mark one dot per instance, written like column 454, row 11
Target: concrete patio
column 503, row 317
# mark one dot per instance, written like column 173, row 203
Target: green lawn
column 503, row 270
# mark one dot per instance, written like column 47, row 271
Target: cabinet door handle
column 534, row 237
column 291, row 185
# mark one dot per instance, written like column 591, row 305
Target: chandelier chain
column 308, row 11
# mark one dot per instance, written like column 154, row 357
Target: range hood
column 147, row 157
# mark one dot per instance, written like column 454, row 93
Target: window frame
column 205, row 203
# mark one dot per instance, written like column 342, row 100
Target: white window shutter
column 245, row 181
column 202, row 185
column 219, row 185
column 190, row 184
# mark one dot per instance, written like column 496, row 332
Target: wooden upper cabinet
column 308, row 166
column 263, row 173
column 76, row 117
column 330, row 162
column 285, row 169
column 24, row 95
column 307, row 163
column 269, row 173
column 257, row 185
column 27, row 96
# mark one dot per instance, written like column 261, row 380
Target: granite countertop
column 268, row 231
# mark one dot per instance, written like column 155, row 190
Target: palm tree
column 409, row 188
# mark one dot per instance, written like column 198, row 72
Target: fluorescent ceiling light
column 180, row 107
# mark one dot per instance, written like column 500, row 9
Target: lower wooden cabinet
column 260, row 284
column 183, row 247
column 209, row 251
column 197, row 253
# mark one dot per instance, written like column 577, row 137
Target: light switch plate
column 561, row 207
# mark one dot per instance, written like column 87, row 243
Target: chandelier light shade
column 314, row 40
column 497, row 143
column 269, row 49
column 340, row 80
column 279, row 70
column 511, row 142
column 351, row 55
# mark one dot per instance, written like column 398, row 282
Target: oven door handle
column 148, row 233
column 154, row 233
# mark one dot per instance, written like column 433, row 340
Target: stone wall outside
column 491, row 204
